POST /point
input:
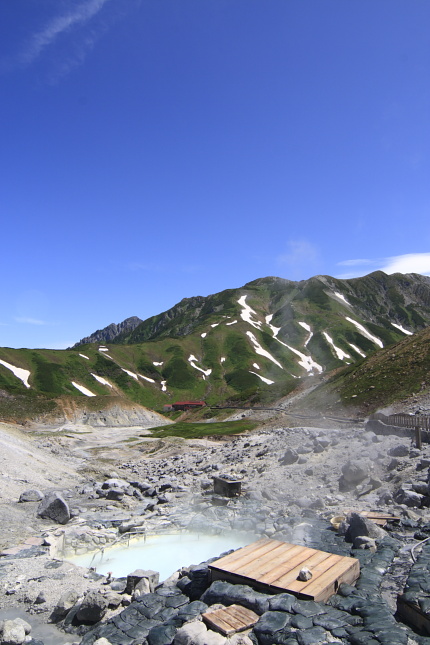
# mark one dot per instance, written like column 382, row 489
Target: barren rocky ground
column 294, row 480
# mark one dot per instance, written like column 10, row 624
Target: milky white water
column 162, row 553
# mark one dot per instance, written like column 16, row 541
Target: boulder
column 399, row 451
column 229, row 594
column 290, row 457
column 31, row 495
column 139, row 575
column 355, row 472
column 362, row 526
column 12, row 632
column 55, row 508
column 408, row 497
column 196, row 633
column 93, row 608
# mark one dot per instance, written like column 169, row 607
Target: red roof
column 189, row 403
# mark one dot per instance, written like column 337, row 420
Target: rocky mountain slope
column 112, row 331
column 252, row 345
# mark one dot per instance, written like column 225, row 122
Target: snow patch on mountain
column 357, row 349
column 146, row 378
column 132, row 374
column 205, row 333
column 247, row 313
column 341, row 296
column 157, row 363
column 261, row 351
column 83, row 389
column 83, row 356
column 163, row 386
column 308, row 329
column 339, row 352
column 365, row 333
column 192, row 360
column 275, row 330
column 405, row 331
column 19, row 372
column 101, row 380
column 265, row 380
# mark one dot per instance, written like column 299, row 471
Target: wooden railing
column 419, row 423
column 404, row 420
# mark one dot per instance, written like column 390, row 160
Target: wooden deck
column 272, row 567
column 379, row 518
column 230, row 620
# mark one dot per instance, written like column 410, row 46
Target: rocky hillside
column 252, row 345
column 112, row 331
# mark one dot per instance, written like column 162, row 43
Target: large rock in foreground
column 55, row 508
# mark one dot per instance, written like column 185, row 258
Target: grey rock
column 12, row 633
column 408, row 497
column 290, row 457
column 55, row 508
column 354, row 472
column 399, row 451
column 93, row 608
column 134, row 578
column 64, row 605
column 359, row 525
column 31, row 495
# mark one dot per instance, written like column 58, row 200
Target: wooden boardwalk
column 230, row 620
column 272, row 567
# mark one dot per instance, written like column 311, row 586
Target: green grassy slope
column 249, row 345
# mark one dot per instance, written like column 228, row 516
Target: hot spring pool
column 162, row 553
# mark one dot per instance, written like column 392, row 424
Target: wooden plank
column 239, row 553
column 342, row 571
column 320, row 558
column 270, row 560
column 318, row 569
column 272, row 566
column 413, row 614
column 298, row 560
column 230, row 620
column 244, row 558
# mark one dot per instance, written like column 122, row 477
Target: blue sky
column 153, row 150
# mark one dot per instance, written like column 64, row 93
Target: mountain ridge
column 252, row 345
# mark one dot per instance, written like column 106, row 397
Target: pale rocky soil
column 67, row 460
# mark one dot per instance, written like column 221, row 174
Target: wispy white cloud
column 30, row 321
column 407, row 263
column 46, row 36
column 301, row 257
column 351, row 263
column 78, row 16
